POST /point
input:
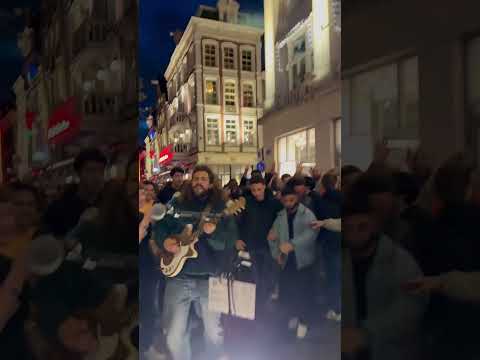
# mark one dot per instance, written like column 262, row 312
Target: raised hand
column 171, row 245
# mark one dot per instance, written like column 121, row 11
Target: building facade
column 79, row 84
column 409, row 79
column 215, row 91
column 302, row 119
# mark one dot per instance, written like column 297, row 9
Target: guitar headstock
column 235, row 207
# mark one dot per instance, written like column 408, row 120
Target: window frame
column 251, row 51
column 207, row 56
column 245, row 129
column 216, row 118
column 231, row 48
column 250, row 84
column 227, row 94
column 216, row 82
column 234, row 121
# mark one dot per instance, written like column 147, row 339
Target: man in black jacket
column 255, row 223
column 63, row 214
column 165, row 195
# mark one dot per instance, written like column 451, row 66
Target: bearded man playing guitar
column 190, row 285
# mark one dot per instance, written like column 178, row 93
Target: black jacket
column 166, row 194
column 13, row 341
column 63, row 214
column 257, row 220
column 454, row 245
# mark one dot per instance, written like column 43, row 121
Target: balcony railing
column 182, row 148
column 178, row 118
column 91, row 33
column 101, row 104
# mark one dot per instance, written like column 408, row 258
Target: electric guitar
column 172, row 264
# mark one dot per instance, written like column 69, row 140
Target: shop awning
column 64, row 123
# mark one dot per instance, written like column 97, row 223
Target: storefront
column 296, row 148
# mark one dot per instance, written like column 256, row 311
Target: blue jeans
column 180, row 295
column 332, row 252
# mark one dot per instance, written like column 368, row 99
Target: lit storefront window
column 296, row 148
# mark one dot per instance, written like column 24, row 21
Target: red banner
column 30, row 119
column 64, row 123
column 166, row 155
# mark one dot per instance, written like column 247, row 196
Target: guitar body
column 172, row 264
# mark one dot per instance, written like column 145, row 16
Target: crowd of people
column 290, row 227
column 392, row 253
column 69, row 266
column 410, row 260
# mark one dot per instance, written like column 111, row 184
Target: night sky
column 11, row 23
column 157, row 19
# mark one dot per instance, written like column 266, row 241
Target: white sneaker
column 153, row 354
column 302, row 330
column 293, row 323
column 332, row 315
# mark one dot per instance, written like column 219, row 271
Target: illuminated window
column 211, row 97
column 296, row 148
column 230, row 94
column 231, row 131
column 247, row 60
column 213, row 134
column 229, row 58
column 210, row 55
column 249, row 132
column 248, row 95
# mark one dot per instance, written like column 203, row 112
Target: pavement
column 269, row 338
